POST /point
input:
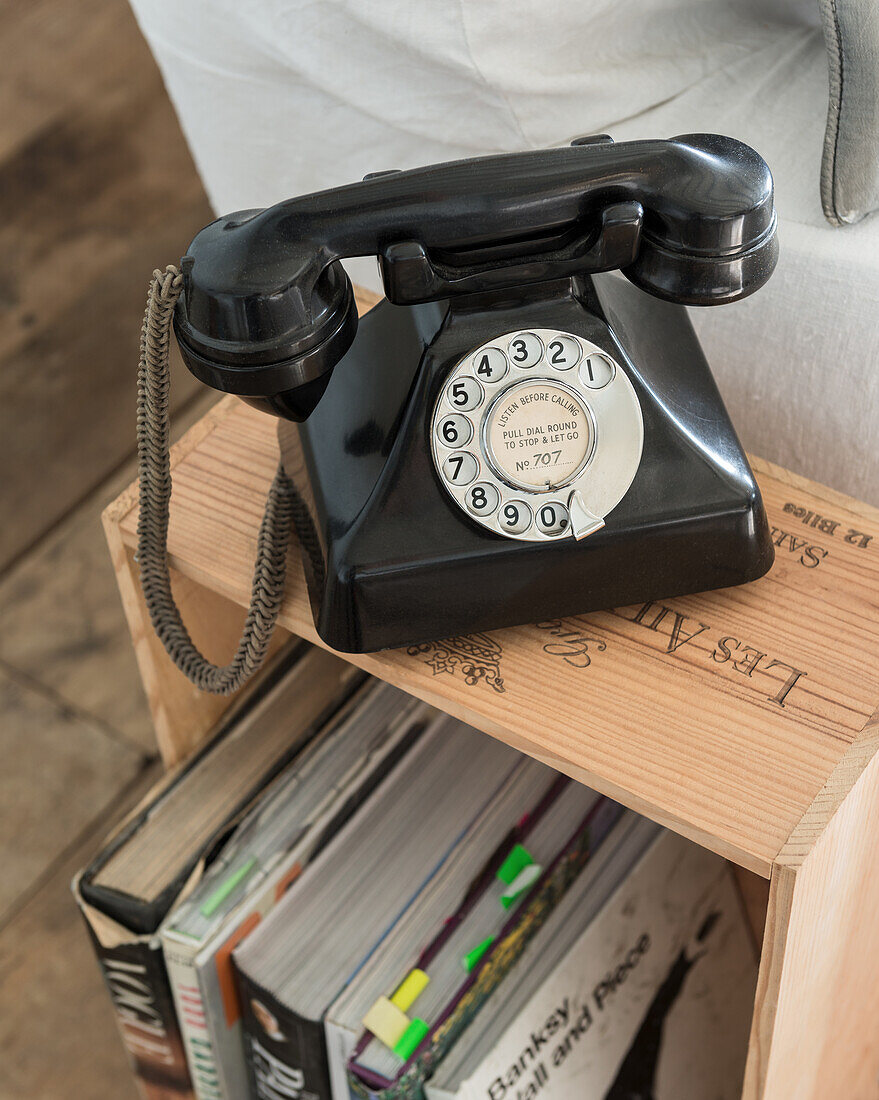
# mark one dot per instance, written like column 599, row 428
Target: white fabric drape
column 281, row 97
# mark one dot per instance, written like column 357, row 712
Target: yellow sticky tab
column 387, row 1022
column 410, row 989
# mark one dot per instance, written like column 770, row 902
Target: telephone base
column 392, row 561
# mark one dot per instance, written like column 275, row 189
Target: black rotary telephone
column 511, row 436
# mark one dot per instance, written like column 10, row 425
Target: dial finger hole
column 552, row 519
column 525, row 349
column 464, row 394
column 490, row 365
column 514, row 517
column 454, row 430
column 596, row 371
column 460, row 468
column 482, row 499
column 563, row 352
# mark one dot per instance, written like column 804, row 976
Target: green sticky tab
column 516, row 861
column 225, row 889
column 471, row 959
column 411, row 1039
column 521, row 884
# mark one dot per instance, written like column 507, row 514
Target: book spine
column 136, row 979
column 216, row 979
column 286, row 1054
column 191, row 1014
column 340, row 1046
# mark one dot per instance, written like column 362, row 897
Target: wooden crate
column 745, row 719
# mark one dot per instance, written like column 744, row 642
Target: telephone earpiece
column 267, row 310
column 266, row 324
column 709, row 234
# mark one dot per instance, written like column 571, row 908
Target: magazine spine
column 197, row 1040
column 286, row 1053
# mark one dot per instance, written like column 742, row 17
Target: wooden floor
column 98, row 189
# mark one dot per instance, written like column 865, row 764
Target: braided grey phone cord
column 154, row 470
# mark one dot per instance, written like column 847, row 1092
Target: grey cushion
column 850, row 165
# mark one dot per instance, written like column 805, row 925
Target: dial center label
column 539, row 434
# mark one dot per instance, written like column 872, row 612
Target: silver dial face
column 537, row 435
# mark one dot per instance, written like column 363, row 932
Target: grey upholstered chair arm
column 850, row 166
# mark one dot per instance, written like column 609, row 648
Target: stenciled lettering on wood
column 578, row 641
column 811, row 554
column 574, row 641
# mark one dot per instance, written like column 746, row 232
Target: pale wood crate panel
column 722, row 715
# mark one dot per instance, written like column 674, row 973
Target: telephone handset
column 512, row 435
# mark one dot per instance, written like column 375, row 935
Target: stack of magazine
column 349, row 894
